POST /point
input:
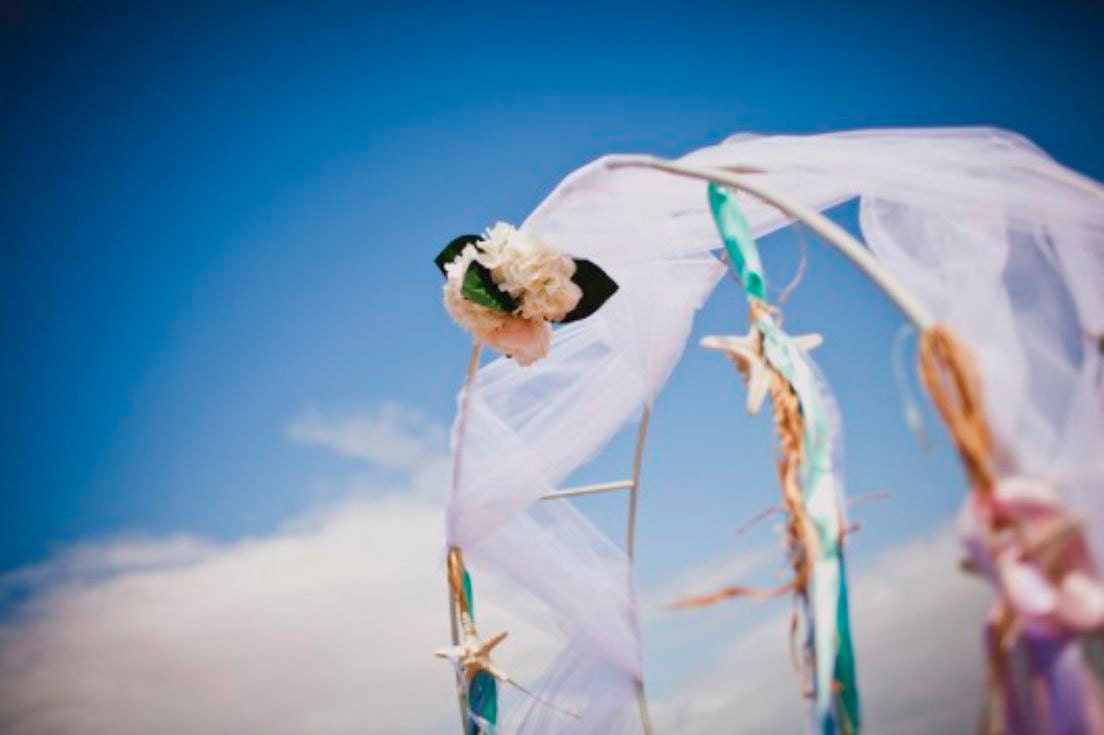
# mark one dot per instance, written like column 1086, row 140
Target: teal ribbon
column 837, row 697
column 483, row 688
column 738, row 242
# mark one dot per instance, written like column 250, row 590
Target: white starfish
column 747, row 352
column 474, row 655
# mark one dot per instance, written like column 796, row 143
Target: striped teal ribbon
column 836, row 706
column 483, row 688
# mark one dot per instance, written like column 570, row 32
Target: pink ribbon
column 1048, row 594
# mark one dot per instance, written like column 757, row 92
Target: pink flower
column 1024, row 541
column 525, row 340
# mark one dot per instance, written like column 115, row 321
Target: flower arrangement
column 506, row 286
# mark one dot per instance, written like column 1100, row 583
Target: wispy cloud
column 86, row 561
column 392, row 436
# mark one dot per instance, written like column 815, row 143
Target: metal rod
column 630, row 542
column 638, row 456
column 461, row 429
column 832, row 233
column 457, row 456
column 454, row 629
column 605, row 487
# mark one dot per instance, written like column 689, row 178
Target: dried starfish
column 474, row 655
column 747, row 352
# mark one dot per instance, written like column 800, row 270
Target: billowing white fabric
column 996, row 239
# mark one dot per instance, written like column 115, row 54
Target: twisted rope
column 950, row 378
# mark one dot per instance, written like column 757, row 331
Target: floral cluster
column 531, row 285
column 531, row 272
column 1021, row 538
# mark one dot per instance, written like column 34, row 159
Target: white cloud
column 392, row 436
column 917, row 624
column 91, row 560
column 325, row 629
column 325, row 626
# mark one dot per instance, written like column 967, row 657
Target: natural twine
column 950, row 377
column 456, row 584
column 789, row 425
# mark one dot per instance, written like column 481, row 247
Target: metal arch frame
column 833, row 234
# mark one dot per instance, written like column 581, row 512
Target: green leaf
column 482, row 701
column 478, row 285
column 596, row 286
column 452, row 250
column 847, row 699
column 483, row 689
column 479, row 288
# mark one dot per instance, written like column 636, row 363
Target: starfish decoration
column 474, row 655
column 747, row 352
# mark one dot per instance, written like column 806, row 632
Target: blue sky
column 213, row 217
column 216, row 220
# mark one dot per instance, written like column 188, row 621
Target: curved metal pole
column 457, row 457
column 638, row 457
column 630, row 543
column 832, row 233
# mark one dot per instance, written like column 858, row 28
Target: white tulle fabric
column 995, row 238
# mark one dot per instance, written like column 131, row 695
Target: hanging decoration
column 1033, row 552
column 477, row 675
column 776, row 363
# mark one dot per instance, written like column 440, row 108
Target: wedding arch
column 990, row 249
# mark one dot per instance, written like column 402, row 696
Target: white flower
column 477, row 319
column 525, row 340
column 536, row 275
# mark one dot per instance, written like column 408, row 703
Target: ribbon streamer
column 483, row 688
column 773, row 360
